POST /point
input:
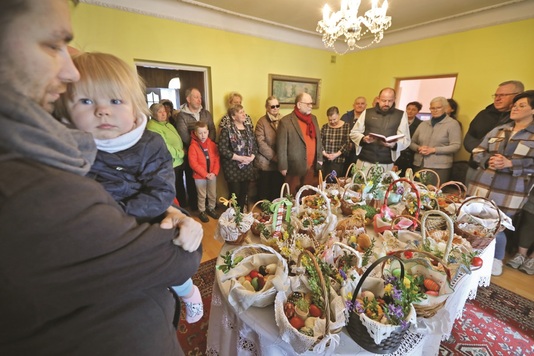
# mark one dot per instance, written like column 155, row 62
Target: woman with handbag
column 506, row 164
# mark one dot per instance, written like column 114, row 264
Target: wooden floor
column 511, row 279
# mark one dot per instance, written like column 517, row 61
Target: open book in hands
column 388, row 139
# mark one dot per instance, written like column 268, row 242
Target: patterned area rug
column 498, row 322
column 192, row 337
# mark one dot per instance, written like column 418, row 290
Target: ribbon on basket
column 277, row 208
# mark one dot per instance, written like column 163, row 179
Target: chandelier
column 347, row 23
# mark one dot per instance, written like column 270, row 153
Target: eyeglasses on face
column 494, row 96
column 308, row 104
column 275, row 106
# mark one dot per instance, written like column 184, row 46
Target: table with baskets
column 236, row 326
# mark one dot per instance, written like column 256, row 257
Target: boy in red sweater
column 204, row 161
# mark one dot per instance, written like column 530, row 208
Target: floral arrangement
column 394, row 306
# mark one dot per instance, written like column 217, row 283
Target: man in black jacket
column 492, row 116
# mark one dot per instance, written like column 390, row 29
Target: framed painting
column 286, row 88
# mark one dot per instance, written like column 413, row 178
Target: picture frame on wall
column 286, row 88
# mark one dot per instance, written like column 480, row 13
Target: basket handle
column 430, row 171
column 317, row 190
column 415, row 221
column 427, row 254
column 349, row 169
column 370, row 269
column 285, row 189
column 462, row 189
column 359, row 173
column 326, row 293
column 470, row 199
column 450, row 228
column 258, row 202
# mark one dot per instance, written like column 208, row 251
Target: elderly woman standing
column 160, row 124
column 237, row 148
column 436, row 141
column 506, row 167
column 270, row 179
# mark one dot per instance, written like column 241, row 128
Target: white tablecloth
column 255, row 332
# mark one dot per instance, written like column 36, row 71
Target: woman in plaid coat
column 506, row 165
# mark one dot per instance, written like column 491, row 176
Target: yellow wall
column 482, row 58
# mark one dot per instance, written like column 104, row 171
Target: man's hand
column 191, row 232
column 284, row 172
column 368, row 139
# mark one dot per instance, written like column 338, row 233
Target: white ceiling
column 295, row 21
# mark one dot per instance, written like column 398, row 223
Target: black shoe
column 203, row 217
column 212, row 213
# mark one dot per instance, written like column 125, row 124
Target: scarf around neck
column 307, row 119
column 27, row 130
column 241, row 142
column 125, row 141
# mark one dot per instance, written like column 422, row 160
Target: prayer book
column 387, row 139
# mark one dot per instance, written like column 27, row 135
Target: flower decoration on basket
column 233, row 225
column 395, row 305
column 380, row 314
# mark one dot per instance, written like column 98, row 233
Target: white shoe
column 496, row 269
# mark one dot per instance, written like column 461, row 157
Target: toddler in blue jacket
column 133, row 164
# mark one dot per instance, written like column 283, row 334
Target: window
column 424, row 89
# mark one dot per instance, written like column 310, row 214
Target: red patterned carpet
column 498, row 322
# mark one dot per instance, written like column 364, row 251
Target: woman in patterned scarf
column 238, row 148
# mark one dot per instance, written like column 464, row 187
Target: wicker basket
column 319, row 231
column 255, row 226
column 357, row 330
column 477, row 241
column 453, row 190
column 300, row 342
column 379, row 225
column 346, row 205
column 435, row 303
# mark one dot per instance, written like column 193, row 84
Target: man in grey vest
column 382, row 119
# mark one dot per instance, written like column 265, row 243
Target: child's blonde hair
column 103, row 74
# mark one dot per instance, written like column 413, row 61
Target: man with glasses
column 382, row 119
column 298, row 144
column 492, row 116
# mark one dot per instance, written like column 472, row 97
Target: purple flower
column 349, row 305
column 397, row 294
column 395, row 310
column 404, row 324
column 343, row 274
column 400, row 190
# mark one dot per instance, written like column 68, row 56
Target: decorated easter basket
column 258, row 258
column 261, row 218
column 233, row 225
column 383, row 220
column 372, row 335
column 317, row 336
column 317, row 222
column 478, row 220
